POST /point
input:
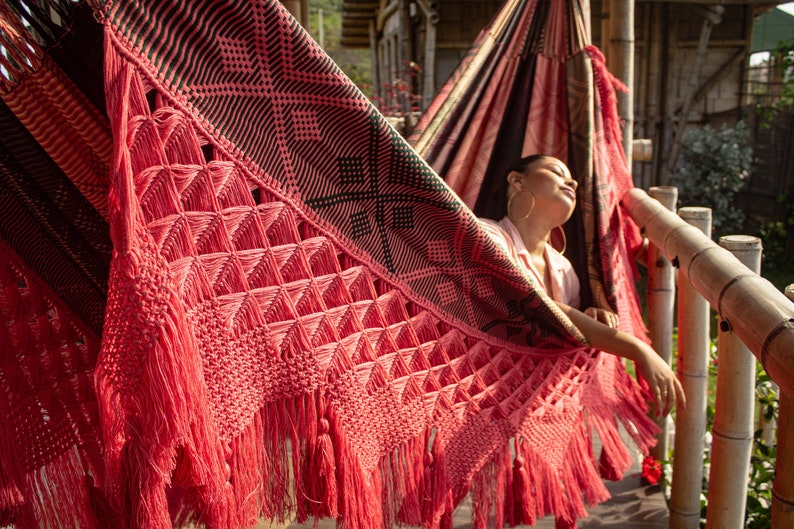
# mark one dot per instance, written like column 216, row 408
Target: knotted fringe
column 164, row 410
column 518, row 486
column 59, row 494
column 50, row 456
column 161, row 404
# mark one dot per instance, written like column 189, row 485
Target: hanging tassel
column 524, row 508
column 327, row 468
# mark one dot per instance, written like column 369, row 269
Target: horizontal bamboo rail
column 760, row 315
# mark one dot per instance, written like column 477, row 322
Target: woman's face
column 553, row 188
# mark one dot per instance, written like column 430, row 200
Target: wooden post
column 693, row 365
column 661, row 302
column 621, row 63
column 375, row 57
column 732, row 433
column 783, row 487
column 431, row 22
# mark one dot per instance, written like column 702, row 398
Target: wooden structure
column 415, row 45
column 687, row 63
column 299, row 9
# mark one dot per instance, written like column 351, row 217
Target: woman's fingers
column 607, row 317
column 670, row 391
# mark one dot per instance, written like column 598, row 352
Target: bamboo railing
column 754, row 316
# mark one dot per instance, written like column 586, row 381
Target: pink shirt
column 564, row 285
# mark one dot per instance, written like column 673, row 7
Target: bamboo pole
column 661, row 302
column 621, row 63
column 732, row 432
column 757, row 312
column 783, row 487
column 693, row 369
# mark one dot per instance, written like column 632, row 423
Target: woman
column 541, row 197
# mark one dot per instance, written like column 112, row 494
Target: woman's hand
column 607, row 317
column 664, row 385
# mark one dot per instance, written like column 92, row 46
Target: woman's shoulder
column 497, row 231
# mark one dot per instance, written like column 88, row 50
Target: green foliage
column 770, row 104
column 762, row 462
column 778, row 266
column 714, row 167
column 785, row 63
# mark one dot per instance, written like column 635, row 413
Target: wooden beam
column 354, row 42
column 359, row 6
column 720, row 74
column 365, row 15
column 357, row 31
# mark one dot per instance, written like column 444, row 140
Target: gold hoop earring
column 510, row 204
column 564, row 241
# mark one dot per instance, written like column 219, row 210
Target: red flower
column 651, row 470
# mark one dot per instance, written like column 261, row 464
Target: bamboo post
column 732, row 432
column 621, row 63
column 693, row 367
column 661, row 302
column 783, row 487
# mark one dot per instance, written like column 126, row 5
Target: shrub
column 714, row 167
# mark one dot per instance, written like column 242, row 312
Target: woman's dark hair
column 496, row 206
column 522, row 165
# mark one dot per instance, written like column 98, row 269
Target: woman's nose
column 572, row 183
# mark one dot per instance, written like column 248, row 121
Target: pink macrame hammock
column 300, row 318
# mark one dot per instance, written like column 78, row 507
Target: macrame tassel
column 56, row 496
column 246, row 460
column 412, row 473
column 438, row 502
column 522, row 495
column 327, row 469
column 360, row 494
column 11, row 497
column 487, row 491
column 282, row 425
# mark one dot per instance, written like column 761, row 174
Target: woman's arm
column 663, row 383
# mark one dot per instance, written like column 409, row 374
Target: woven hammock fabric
column 302, row 318
column 533, row 83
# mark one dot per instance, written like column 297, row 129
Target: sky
column 787, row 7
